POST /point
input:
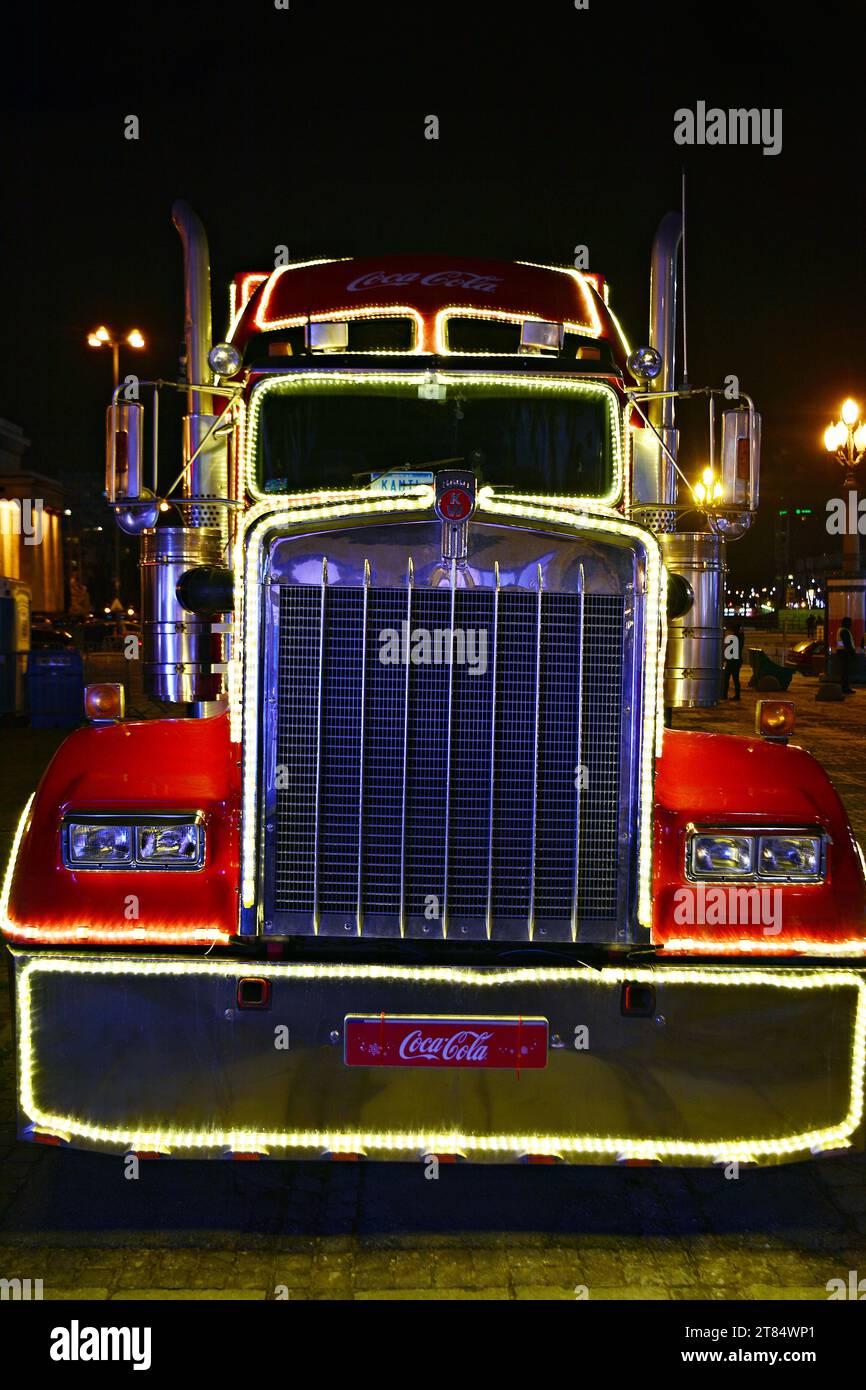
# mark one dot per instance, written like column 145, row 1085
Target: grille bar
column 359, row 911
column 321, row 689
column 449, row 740
column 449, row 779
column 536, row 736
column 410, row 587
column 578, row 766
column 494, row 645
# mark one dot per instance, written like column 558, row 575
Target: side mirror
column 124, row 449
column 741, row 457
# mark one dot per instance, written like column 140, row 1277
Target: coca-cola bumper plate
column 394, row 1040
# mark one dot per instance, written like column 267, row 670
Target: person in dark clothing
column 845, row 653
column 810, row 627
column 733, row 653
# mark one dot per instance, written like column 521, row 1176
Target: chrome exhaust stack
column 205, row 462
column 663, row 336
column 184, row 650
column 695, row 560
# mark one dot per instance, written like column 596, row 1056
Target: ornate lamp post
column 845, row 439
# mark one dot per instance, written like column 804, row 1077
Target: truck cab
column 420, row 865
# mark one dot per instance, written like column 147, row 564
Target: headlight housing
column 734, row 855
column 159, row 843
column 133, row 841
column 93, row 845
column 718, row 855
column 789, row 856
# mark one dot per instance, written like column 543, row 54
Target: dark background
column 306, row 127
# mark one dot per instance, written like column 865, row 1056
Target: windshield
column 549, row 437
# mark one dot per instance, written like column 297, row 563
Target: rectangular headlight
column 95, row 845
column 721, row 855
column 134, row 840
column 177, row 844
column 789, row 856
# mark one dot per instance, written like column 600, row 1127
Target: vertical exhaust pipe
column 207, row 475
column 197, row 327
column 181, row 648
column 663, row 336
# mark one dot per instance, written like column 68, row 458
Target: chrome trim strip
column 536, row 736
column 578, row 740
column 410, row 582
column 319, row 744
column 292, row 557
column 493, row 679
column 359, row 910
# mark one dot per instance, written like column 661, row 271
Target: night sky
column 556, row 128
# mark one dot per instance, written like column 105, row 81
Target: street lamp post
column 104, row 337
column 845, row 439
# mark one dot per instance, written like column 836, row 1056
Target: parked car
column 809, row 656
column 50, row 638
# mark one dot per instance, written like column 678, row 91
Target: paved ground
column 228, row 1231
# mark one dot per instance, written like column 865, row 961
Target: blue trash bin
column 55, row 687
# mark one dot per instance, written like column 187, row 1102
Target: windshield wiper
column 409, row 467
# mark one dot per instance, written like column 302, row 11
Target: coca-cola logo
column 467, row 1045
column 451, row 279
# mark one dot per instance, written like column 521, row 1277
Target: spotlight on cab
column 645, row 363
column 224, row 359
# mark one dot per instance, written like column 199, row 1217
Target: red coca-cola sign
column 378, row 1040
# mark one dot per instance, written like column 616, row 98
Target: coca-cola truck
column 416, row 864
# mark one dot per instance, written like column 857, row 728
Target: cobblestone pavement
column 230, row 1231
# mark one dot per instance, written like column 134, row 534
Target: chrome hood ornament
column 455, row 505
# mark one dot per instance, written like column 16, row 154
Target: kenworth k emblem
column 455, row 503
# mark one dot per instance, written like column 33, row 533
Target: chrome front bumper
column 154, row 1055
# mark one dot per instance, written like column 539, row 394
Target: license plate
column 395, row 1040
column 399, row 480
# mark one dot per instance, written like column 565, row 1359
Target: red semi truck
column 419, row 865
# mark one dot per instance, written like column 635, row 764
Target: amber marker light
column 775, row 718
column 104, row 702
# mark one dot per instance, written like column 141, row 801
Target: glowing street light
column 846, row 440
column 104, row 337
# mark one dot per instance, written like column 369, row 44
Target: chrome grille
column 430, row 800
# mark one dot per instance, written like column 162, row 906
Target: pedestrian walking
column 845, row 654
column 733, row 653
